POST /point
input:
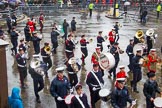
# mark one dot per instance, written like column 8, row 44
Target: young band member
column 95, row 82
column 129, row 52
column 100, row 39
column 69, row 47
column 59, row 88
column 84, row 50
column 41, row 22
column 46, row 56
column 21, row 65
column 150, row 89
column 120, row 95
column 137, row 73
column 27, row 33
column 36, row 42
column 73, row 67
column 80, row 99
column 152, row 60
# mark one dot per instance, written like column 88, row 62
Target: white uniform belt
column 44, row 56
column 21, row 65
column 83, row 46
column 68, row 51
column 71, row 72
column 99, row 43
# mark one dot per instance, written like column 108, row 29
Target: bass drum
column 106, row 61
column 141, row 46
column 158, row 102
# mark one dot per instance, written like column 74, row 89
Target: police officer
column 80, row 99
column 36, row 42
column 37, row 69
column 100, row 39
column 120, row 95
column 69, row 47
column 137, row 73
column 83, row 44
column 27, row 33
column 65, row 29
column 45, row 53
column 129, row 52
column 95, row 82
column 115, row 52
column 59, row 88
column 21, row 65
column 14, row 40
column 73, row 67
column 54, row 34
column 9, row 23
column 150, row 89
column 73, row 25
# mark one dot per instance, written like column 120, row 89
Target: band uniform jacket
column 75, row 103
column 100, row 39
column 69, row 46
column 152, row 60
column 120, row 97
column 60, row 87
column 21, row 62
column 150, row 89
column 135, row 63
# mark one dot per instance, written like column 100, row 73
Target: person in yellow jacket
column 91, row 6
column 158, row 9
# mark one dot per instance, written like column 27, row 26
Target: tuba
column 150, row 32
column 140, row 36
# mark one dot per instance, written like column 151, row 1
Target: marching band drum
column 105, row 94
column 158, row 102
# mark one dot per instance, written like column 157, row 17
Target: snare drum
column 158, row 102
column 104, row 94
column 68, row 99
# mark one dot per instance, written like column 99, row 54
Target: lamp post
column 114, row 13
column 3, row 75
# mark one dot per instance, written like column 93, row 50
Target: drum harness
column 81, row 103
column 96, row 79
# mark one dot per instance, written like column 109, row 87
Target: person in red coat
column 31, row 25
column 152, row 60
column 111, row 36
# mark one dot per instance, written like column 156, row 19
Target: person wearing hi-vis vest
column 91, row 6
column 158, row 9
column 95, row 82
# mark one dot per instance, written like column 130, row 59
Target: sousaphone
column 150, row 32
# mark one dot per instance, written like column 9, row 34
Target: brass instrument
column 90, row 39
column 120, row 50
column 73, row 64
column 140, row 36
column 150, row 32
column 47, row 50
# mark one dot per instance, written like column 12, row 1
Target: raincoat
column 15, row 100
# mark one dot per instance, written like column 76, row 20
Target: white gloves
column 133, row 102
column 71, row 90
column 94, row 88
column 129, row 53
column 59, row 99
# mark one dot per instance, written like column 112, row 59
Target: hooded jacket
column 15, row 100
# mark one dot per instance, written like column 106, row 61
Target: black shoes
column 38, row 100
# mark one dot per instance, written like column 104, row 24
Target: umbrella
column 127, row 3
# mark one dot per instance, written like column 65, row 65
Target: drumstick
column 133, row 105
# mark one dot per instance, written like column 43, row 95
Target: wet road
column 89, row 27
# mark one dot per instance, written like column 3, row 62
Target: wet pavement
column 89, row 27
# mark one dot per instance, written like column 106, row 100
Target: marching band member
column 73, row 67
column 27, row 33
column 37, row 72
column 21, row 65
column 41, row 22
column 59, row 88
column 95, row 58
column 9, row 24
column 137, row 73
column 54, row 40
column 95, row 82
column 150, row 89
column 70, row 46
column 45, row 53
column 14, row 38
column 129, row 52
column 31, row 25
column 149, row 42
column 100, row 39
column 36, row 42
column 115, row 52
column 80, row 99
column 23, row 45
column 152, row 60
column 116, row 28
column 120, row 95
column 112, row 36
column 14, row 20
column 84, row 50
